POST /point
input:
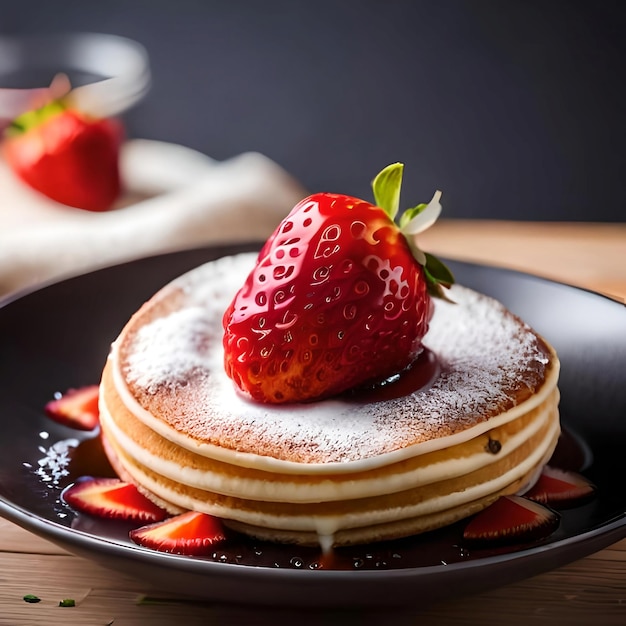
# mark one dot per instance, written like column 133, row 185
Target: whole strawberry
column 339, row 297
column 66, row 155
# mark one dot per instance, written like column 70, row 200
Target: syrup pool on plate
column 64, row 461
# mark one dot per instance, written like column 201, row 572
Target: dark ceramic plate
column 58, row 337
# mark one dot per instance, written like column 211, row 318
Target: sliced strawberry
column 112, row 498
column 512, row 519
column 76, row 408
column 190, row 533
column 561, row 488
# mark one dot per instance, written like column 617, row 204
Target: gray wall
column 514, row 108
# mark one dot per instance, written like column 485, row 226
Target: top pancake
column 170, row 357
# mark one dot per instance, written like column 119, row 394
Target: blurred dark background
column 515, row 109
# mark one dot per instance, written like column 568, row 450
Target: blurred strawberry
column 66, row 155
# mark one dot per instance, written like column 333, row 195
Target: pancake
column 481, row 423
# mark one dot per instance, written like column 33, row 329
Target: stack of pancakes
column 334, row 472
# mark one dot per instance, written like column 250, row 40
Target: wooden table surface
column 589, row 591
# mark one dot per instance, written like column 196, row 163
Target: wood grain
column 588, row 255
column 589, row 591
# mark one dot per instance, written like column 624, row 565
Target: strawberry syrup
column 419, row 376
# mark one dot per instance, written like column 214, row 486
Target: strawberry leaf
column 34, row 118
column 437, row 272
column 421, row 217
column 386, row 187
column 409, row 214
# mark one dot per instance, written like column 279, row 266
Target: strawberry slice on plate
column 191, row 533
column 511, row 519
column 76, row 408
column 112, row 498
column 561, row 488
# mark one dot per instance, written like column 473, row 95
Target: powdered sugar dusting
column 489, row 361
column 170, row 350
column 488, row 356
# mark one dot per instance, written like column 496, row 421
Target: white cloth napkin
column 176, row 199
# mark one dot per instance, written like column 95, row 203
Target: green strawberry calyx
column 386, row 187
column 43, row 107
column 35, row 117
